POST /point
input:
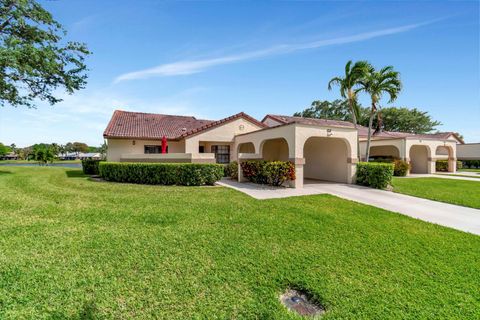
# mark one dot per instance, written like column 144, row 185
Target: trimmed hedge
column 400, row 168
column 374, row 174
column 471, row 164
column 185, row 174
column 90, row 166
column 231, row 170
column 442, row 165
column 274, row 173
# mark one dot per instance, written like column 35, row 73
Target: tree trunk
column 354, row 120
column 369, row 136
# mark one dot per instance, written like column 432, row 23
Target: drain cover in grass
column 299, row 302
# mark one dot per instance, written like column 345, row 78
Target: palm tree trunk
column 369, row 136
column 354, row 120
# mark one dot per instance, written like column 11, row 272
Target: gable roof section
column 139, row 125
column 308, row 121
column 223, row 121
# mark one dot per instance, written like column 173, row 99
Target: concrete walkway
column 441, row 176
column 448, row 215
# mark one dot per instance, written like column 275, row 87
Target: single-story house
column 320, row 149
column 10, row 156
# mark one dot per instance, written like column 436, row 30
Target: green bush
column 274, row 173
column 90, row 166
column 459, row 165
column 441, row 165
column 400, row 168
column 374, row 174
column 185, row 174
column 471, row 164
column 231, row 170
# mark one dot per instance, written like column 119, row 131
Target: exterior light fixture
column 329, row 132
column 133, row 142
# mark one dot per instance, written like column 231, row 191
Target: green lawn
column 77, row 249
column 31, row 161
column 469, row 170
column 461, row 192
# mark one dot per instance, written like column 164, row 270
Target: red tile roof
column 138, row 125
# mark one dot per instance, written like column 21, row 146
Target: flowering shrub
column 274, row 173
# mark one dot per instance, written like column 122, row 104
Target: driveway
column 448, row 215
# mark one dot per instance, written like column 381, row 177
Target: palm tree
column 376, row 84
column 351, row 79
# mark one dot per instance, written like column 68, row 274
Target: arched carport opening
column 446, row 153
column 326, row 159
column 275, row 149
column 418, row 159
column 246, row 147
column 385, row 152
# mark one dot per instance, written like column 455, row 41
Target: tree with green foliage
column 79, row 147
column 347, row 83
column 34, row 61
column 3, row 150
column 376, row 84
column 43, row 153
column 336, row 109
column 397, row 119
column 407, row 120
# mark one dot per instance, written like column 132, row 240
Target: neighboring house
column 10, row 156
column 79, row 156
column 468, row 151
column 320, row 149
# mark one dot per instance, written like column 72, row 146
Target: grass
column 77, row 249
column 461, row 175
column 460, row 192
column 31, row 161
column 469, row 170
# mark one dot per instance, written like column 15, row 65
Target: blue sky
column 214, row 59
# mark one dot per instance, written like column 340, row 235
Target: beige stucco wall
column 468, row 151
column 295, row 136
column 326, row 159
column 117, row 147
column 223, row 134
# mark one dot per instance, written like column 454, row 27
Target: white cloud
column 195, row 66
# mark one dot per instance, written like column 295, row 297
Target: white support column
column 298, row 182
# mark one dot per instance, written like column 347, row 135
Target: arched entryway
column 247, row 147
column 388, row 152
column 446, row 153
column 275, row 149
column 326, row 159
column 419, row 159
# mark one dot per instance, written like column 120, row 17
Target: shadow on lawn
column 75, row 174
column 5, row 172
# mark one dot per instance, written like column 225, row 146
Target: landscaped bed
column 74, row 248
column 454, row 191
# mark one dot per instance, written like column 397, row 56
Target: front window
column 153, row 149
column 222, row 153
